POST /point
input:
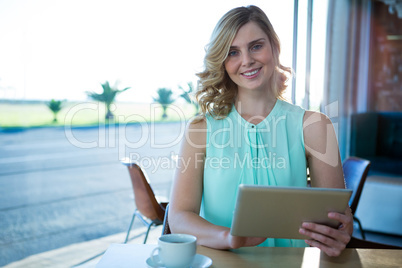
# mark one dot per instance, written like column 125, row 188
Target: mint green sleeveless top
column 238, row 152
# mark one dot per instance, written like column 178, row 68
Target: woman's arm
column 186, row 196
column 325, row 167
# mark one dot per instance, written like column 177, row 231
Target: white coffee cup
column 175, row 250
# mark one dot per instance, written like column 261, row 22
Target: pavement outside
column 61, row 187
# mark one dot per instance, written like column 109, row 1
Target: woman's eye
column 256, row 47
column 232, row 53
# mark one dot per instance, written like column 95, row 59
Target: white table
column 126, row 255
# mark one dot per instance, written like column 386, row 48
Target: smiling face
column 250, row 62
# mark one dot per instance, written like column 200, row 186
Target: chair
column 358, row 243
column 166, row 228
column 355, row 172
column 145, row 201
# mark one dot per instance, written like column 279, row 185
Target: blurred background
column 84, row 84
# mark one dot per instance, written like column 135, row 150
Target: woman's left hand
column 330, row 240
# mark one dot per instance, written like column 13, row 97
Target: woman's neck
column 254, row 106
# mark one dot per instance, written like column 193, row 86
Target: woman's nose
column 247, row 59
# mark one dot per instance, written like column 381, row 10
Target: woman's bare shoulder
column 196, row 132
column 198, row 122
column 320, row 138
column 315, row 123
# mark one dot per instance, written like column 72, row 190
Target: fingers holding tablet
column 330, row 240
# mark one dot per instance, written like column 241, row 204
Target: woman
column 249, row 134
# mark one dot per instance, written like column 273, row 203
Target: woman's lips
column 251, row 74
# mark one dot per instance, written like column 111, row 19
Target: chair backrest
column 166, row 228
column 358, row 243
column 355, row 171
column 143, row 194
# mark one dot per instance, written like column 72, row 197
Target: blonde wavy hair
column 216, row 92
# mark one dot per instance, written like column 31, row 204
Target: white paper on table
column 126, row 255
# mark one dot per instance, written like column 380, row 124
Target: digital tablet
column 278, row 212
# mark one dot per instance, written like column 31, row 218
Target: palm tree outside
column 55, row 106
column 187, row 94
column 164, row 98
column 107, row 96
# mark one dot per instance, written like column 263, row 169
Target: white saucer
column 200, row 261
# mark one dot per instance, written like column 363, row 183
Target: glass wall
column 60, row 49
column 311, row 45
column 62, row 186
